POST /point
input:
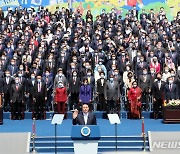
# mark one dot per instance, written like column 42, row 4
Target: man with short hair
column 85, row 117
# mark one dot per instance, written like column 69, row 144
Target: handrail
column 143, row 135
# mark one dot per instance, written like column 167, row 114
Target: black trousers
column 39, row 107
column 102, row 102
column 157, row 106
column 6, row 101
column 16, row 108
column 74, row 101
column 112, row 106
column 145, row 100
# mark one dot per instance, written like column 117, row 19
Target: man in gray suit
column 112, row 94
column 60, row 78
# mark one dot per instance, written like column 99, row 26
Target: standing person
column 170, row 90
column 85, row 93
column 85, row 117
column 61, row 98
column 100, row 92
column 40, row 96
column 7, row 82
column 17, row 97
column 134, row 96
column 144, row 83
column 48, row 80
column 74, row 86
column 158, row 95
column 112, row 94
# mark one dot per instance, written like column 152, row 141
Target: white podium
column 85, row 139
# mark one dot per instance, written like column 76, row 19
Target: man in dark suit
column 158, row 95
column 170, row 90
column 100, row 92
column 7, row 82
column 74, row 86
column 16, row 96
column 40, row 96
column 144, row 83
column 48, row 80
column 85, row 117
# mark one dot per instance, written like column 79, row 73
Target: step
column 100, row 149
column 99, row 114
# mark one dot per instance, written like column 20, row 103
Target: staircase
column 106, row 143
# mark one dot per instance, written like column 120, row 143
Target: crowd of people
column 60, row 61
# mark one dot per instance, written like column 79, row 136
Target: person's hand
column 45, row 98
column 154, row 99
column 75, row 114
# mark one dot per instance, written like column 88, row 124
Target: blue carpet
column 126, row 128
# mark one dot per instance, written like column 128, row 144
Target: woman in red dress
column 134, row 96
column 61, row 98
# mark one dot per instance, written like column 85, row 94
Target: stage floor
column 126, row 128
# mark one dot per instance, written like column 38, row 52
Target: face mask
column 20, row 75
column 166, row 71
column 32, row 77
column 39, row 80
column 100, row 63
column 74, row 74
column 47, row 74
column 60, row 74
column 134, row 86
column 16, row 81
column 111, row 79
column 7, row 75
column 60, row 85
column 89, row 74
column 159, row 78
column 144, row 73
column 21, row 68
column 116, row 73
column 170, row 81
column 173, row 74
column 102, row 76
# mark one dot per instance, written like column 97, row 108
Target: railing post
column 33, row 135
column 143, row 135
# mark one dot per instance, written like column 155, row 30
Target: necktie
column 39, row 87
column 17, row 87
column 85, row 118
column 170, row 87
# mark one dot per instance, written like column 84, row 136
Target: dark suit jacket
column 144, row 85
column 74, row 87
column 43, row 92
column 16, row 94
column 80, row 119
column 158, row 93
column 100, row 87
column 170, row 94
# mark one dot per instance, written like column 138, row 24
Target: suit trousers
column 6, row 101
column 157, row 106
column 61, row 107
column 74, row 101
column 102, row 102
column 39, row 106
column 16, row 109
column 145, row 100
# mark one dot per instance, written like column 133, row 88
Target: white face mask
column 170, row 81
